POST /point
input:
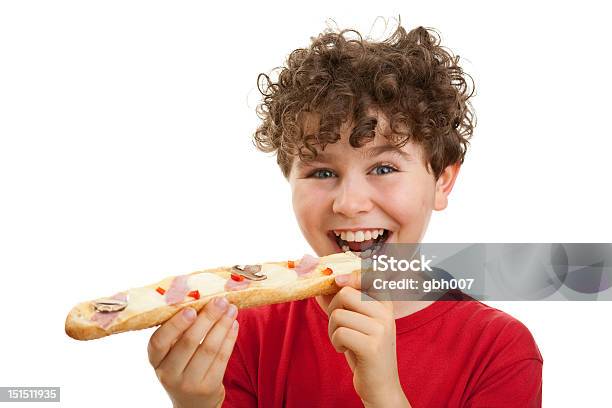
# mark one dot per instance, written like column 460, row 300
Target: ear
column 444, row 185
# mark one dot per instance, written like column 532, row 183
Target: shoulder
column 494, row 329
column 503, row 359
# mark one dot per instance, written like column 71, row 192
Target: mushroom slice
column 108, row 305
column 252, row 272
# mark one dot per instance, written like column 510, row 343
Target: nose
column 352, row 197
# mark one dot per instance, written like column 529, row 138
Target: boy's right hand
column 190, row 372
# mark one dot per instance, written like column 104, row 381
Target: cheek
column 308, row 205
column 407, row 200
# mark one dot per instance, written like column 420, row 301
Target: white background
column 125, row 156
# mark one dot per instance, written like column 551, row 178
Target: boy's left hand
column 365, row 332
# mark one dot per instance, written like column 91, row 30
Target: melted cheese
column 143, row 299
column 341, row 264
column 206, row 283
column 277, row 275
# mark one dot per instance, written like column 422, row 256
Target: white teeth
column 359, row 236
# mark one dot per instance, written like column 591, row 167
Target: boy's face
column 347, row 195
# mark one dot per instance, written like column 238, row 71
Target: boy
column 371, row 137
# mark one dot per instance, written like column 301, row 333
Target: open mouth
column 363, row 243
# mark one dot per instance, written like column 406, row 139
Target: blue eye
column 322, row 174
column 383, row 169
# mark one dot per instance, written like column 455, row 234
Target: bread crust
column 80, row 327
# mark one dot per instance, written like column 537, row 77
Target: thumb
column 352, row 280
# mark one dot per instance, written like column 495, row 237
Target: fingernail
column 235, row 325
column 221, row 302
column 231, row 312
column 341, row 279
column 189, row 314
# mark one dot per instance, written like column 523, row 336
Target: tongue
column 360, row 246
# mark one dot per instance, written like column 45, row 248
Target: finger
column 180, row 354
column 215, row 373
column 207, row 351
column 351, row 320
column 350, row 358
column 344, row 339
column 167, row 334
column 352, row 280
column 351, row 299
column 327, row 299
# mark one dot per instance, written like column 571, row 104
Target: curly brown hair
column 409, row 77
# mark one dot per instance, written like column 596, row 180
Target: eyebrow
column 323, row 157
column 372, row 152
column 378, row 150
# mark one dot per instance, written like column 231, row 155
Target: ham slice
column 235, row 285
column 178, row 290
column 307, row 264
column 104, row 319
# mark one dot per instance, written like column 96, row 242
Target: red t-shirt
column 450, row 354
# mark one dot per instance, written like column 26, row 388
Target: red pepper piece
column 327, row 271
column 237, row 278
column 290, row 264
column 161, row 291
column 194, row 294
